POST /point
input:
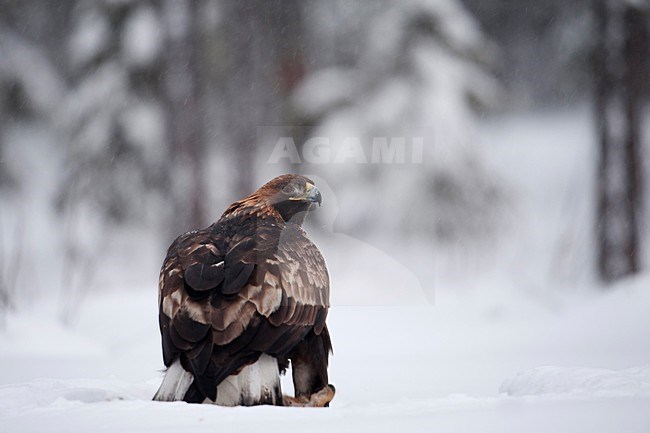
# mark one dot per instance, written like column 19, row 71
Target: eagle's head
column 290, row 195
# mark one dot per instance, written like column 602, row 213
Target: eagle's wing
column 309, row 358
column 224, row 300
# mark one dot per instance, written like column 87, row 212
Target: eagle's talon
column 320, row 398
column 323, row 397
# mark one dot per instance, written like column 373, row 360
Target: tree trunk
column 184, row 117
column 264, row 39
column 622, row 37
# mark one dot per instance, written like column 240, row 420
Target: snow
column 90, row 36
column 503, row 332
column 324, row 90
column 579, row 381
column 454, row 366
column 522, row 342
column 29, row 65
column 142, row 37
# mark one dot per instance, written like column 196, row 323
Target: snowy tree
column 545, row 48
column 182, row 96
column 420, row 80
column 264, row 58
column 31, row 86
column 160, row 113
column 113, row 126
column 111, row 119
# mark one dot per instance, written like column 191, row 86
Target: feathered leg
column 309, row 362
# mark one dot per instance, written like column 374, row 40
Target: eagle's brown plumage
column 250, row 284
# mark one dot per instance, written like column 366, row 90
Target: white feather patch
column 258, row 383
column 175, row 383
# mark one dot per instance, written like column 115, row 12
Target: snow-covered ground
column 512, row 353
column 456, row 366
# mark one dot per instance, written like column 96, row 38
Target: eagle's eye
column 289, row 189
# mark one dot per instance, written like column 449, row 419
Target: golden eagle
column 242, row 298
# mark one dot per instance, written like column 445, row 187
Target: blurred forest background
column 124, row 123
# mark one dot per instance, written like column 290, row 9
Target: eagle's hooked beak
column 312, row 194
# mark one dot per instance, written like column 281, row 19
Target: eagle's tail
column 255, row 384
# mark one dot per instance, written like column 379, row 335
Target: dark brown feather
column 237, row 274
column 180, row 344
column 189, row 329
column 204, row 276
column 201, row 354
